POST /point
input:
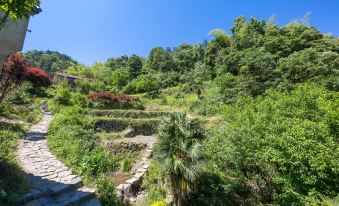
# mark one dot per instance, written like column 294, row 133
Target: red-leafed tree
column 12, row 73
column 37, row 77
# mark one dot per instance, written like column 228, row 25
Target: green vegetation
column 50, row 61
column 134, row 114
column 140, row 126
column 11, row 174
column 72, row 138
column 281, row 148
column 179, row 151
column 265, row 128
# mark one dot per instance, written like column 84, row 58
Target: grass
column 12, row 179
column 28, row 112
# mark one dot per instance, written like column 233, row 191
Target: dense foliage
column 269, row 95
column 50, row 61
column 106, row 96
column 72, row 138
column 179, row 151
column 38, row 77
column 281, row 148
column 12, row 72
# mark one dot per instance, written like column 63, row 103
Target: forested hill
column 50, row 61
column 257, row 55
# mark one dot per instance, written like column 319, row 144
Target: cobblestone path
column 52, row 183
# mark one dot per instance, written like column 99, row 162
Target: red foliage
column 100, row 96
column 11, row 72
column 38, row 77
column 13, row 67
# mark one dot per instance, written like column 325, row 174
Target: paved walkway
column 51, row 181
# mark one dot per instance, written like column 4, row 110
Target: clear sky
column 91, row 31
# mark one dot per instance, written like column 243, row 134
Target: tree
column 11, row 73
column 18, row 9
column 215, row 49
column 307, row 64
column 116, row 63
column 180, row 153
column 247, row 34
column 134, row 65
column 185, row 57
column 160, row 60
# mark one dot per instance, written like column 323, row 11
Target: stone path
column 52, row 183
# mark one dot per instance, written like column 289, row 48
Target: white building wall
column 12, row 37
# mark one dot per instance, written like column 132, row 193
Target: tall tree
column 134, row 65
column 160, row 60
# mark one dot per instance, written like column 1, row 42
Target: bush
column 282, row 146
column 106, row 192
column 108, row 100
column 11, row 73
column 141, row 84
column 37, row 77
column 62, row 94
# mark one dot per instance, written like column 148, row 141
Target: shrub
column 141, row 84
column 283, row 146
column 106, row 192
column 62, row 94
column 11, row 73
column 109, row 100
column 38, row 77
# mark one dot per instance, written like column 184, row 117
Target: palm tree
column 330, row 202
column 180, row 154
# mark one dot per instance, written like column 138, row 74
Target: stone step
column 91, row 202
column 75, row 197
column 63, row 188
column 55, row 190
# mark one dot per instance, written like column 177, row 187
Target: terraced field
column 129, row 134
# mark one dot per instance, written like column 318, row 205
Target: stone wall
column 12, row 37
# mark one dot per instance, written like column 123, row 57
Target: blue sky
column 91, row 31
